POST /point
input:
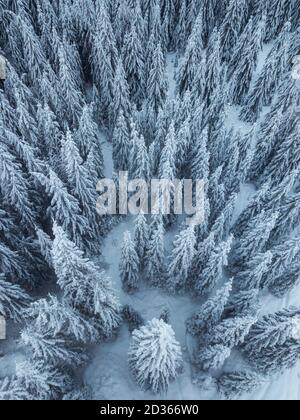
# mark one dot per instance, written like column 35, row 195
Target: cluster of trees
column 74, row 67
column 57, row 330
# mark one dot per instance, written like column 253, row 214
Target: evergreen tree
column 121, row 102
column 64, row 208
column 141, row 239
column 33, row 54
column 273, row 342
column 236, row 384
column 192, row 59
column 254, row 238
column 285, row 158
column 129, row 265
column 184, row 140
column 167, row 162
column 256, row 205
column 209, row 17
column 15, row 187
column 212, row 357
column 280, row 193
column 213, row 77
column 210, row 313
column 244, row 61
column 13, row 300
column 253, row 275
column 276, row 18
column 155, row 256
column 121, row 144
column 84, row 287
column 81, row 182
column 262, row 92
column 231, row 332
column 52, row 350
column 155, row 356
column 133, row 59
column 243, row 303
column 285, row 257
column 203, row 253
column 40, row 382
column 232, row 26
column 295, row 13
column 216, row 193
column 87, row 140
column 267, row 143
column 182, row 259
column 154, row 36
column 168, row 9
column 213, row 271
column 139, row 159
column 156, row 83
column 282, row 285
column 228, row 212
column 72, row 98
column 58, row 318
column 181, row 30
column 201, row 159
column 288, row 218
column 48, row 130
column 246, row 153
column 104, row 56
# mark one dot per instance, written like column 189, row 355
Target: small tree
column 253, row 275
column 210, row 313
column 51, row 315
column 52, row 350
column 155, row 356
column 236, row 384
column 182, row 259
column 40, row 381
column 214, row 269
column 231, row 332
column 121, row 144
column 155, row 257
column 129, row 265
column 85, row 287
column 13, row 300
column 141, row 239
column 274, row 342
column 212, row 357
column 243, row 303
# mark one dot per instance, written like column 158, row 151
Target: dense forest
column 77, row 71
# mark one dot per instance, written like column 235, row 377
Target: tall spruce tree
column 84, row 286
column 155, row 356
column 129, row 265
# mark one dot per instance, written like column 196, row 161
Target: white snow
column 10, row 351
column 296, row 328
